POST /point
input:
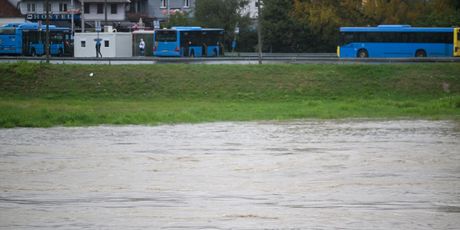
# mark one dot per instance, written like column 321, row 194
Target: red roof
column 7, row 10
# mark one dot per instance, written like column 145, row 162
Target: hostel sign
column 53, row 17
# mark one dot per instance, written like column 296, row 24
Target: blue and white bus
column 30, row 38
column 398, row 41
column 188, row 42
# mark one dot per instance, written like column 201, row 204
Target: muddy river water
column 346, row 174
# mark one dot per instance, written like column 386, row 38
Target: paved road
column 235, row 58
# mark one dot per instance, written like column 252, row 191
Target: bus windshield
column 166, row 36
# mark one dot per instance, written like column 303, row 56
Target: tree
column 179, row 18
column 281, row 32
column 321, row 17
column 439, row 13
column 224, row 14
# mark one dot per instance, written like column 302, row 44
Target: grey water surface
column 345, row 174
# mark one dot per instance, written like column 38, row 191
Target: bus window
column 214, row 38
column 166, row 36
column 56, row 38
column 348, row 37
column 7, row 31
column 195, row 38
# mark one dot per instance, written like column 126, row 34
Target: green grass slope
column 40, row 95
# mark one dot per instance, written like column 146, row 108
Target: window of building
column 163, row 3
column 106, row 43
column 86, row 10
column 62, row 7
column 113, row 8
column 30, row 7
column 186, row 3
column 83, row 43
column 100, row 8
column 49, row 7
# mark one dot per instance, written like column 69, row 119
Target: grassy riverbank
column 40, row 95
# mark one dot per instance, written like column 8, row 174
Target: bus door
column 34, row 42
column 456, row 42
column 56, row 43
column 30, row 43
column 213, row 43
column 25, row 42
column 68, row 44
column 185, row 42
column 196, row 44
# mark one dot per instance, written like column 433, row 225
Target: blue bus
column 398, row 41
column 30, row 38
column 188, row 42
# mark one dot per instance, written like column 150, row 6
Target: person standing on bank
column 98, row 47
column 142, row 47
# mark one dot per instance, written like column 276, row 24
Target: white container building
column 113, row 44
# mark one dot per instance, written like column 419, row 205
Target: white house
column 113, row 44
column 86, row 12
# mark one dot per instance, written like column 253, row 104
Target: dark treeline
column 312, row 25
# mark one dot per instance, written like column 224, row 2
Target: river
column 307, row 174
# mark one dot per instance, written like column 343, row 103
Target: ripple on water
column 345, row 174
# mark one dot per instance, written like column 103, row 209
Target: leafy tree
column 322, row 19
column 281, row 31
column 226, row 14
column 439, row 13
column 180, row 18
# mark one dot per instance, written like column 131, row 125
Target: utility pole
column 47, row 39
column 169, row 13
column 82, row 16
column 105, row 12
column 72, row 14
column 259, row 31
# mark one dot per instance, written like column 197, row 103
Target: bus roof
column 192, row 28
column 396, row 28
column 9, row 25
column 33, row 26
column 186, row 28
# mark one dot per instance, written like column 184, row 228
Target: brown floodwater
column 345, row 174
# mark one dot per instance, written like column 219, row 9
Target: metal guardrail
column 248, row 58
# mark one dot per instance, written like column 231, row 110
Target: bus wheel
column 420, row 53
column 362, row 53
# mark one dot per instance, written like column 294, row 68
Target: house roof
column 7, row 10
